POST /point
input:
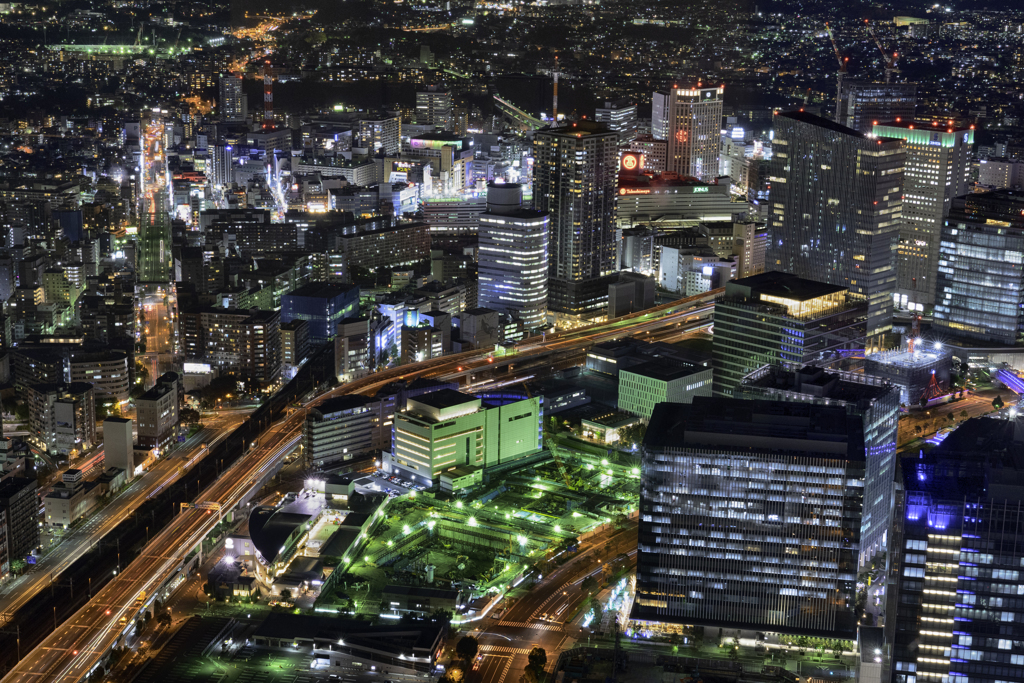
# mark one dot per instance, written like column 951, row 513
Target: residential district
column 482, row 341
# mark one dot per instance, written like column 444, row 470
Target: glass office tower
column 955, row 604
column 778, row 317
column 836, row 209
column 980, row 292
column 750, row 515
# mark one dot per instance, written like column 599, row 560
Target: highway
column 82, row 538
column 72, row 650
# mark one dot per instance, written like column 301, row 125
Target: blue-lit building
column 980, row 289
column 955, row 608
column 322, row 305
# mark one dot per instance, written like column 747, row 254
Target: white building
column 513, row 266
column 694, row 129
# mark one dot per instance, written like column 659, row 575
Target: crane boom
column 890, row 61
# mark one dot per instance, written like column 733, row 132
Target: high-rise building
column 980, row 287
column 619, row 116
column 384, row 133
column 19, row 520
column 232, row 103
column 953, row 602
column 694, row 129
column 119, row 445
column 996, row 173
column 513, row 259
column 157, row 415
column 938, row 163
column 659, row 115
column 862, row 103
column 773, row 317
column 750, row 515
column 836, row 209
column 574, row 179
column 434, row 106
column 875, row 400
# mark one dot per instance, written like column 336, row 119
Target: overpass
column 72, row 651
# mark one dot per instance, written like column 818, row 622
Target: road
column 85, row 536
column 537, row 618
column 72, row 650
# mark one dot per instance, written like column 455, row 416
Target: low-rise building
column 341, row 428
column 419, row 600
column 644, row 386
column 71, row 499
column 157, row 415
column 447, row 429
column 107, row 371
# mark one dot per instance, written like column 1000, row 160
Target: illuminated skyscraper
column 620, row 116
column 836, row 209
column 938, row 161
column 434, row 105
column 231, row 105
column 862, row 103
column 694, row 131
column 574, row 181
column 513, row 266
column 750, row 516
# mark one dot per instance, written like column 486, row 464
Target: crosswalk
column 523, row 624
column 502, row 649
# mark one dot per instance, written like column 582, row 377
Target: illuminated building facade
column 434, row 105
column 513, row 260
column 694, row 129
column 958, row 559
column 938, row 163
column 777, row 317
column 836, row 209
column 980, row 291
column 619, row 116
column 875, row 400
column 750, row 516
column 447, row 429
column 862, row 103
column 574, row 180
column 669, row 201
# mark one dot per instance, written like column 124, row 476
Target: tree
column 18, row 566
column 538, row 659
column 923, row 402
column 189, row 416
column 588, row 584
column 529, row 676
column 963, row 415
column 286, row 594
column 917, row 430
column 466, row 648
column 997, row 402
column 442, row 616
column 163, row 618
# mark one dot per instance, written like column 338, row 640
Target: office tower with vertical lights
column 694, row 131
column 836, row 209
column 938, row 163
column 513, row 261
column 750, row 515
column 574, row 182
column 434, row 105
column 954, row 601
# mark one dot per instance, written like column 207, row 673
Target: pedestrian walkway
column 504, row 649
column 523, row 624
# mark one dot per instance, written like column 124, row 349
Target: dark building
column 836, row 209
column 19, row 511
column 954, row 600
column 750, row 515
column 863, row 103
column 322, row 305
column 773, row 317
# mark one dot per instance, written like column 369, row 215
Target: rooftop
column 784, row 285
column 757, row 426
column 664, row 371
column 323, row 290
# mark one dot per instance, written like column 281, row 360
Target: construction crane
column 840, row 75
column 890, row 62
